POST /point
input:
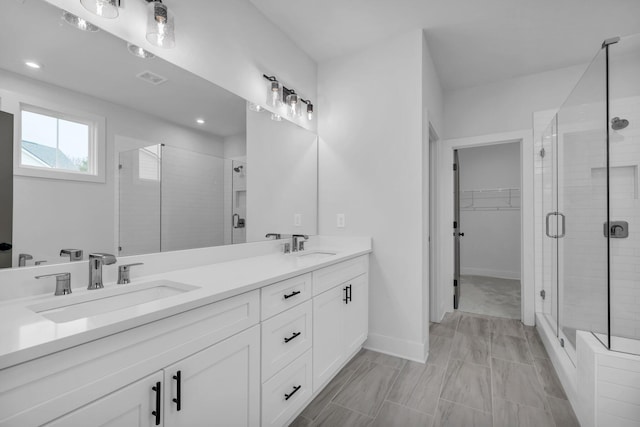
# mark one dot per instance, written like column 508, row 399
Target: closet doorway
column 487, row 230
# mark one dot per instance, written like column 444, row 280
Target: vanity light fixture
column 33, row 64
column 139, row 52
column 292, row 100
column 255, row 107
column 274, row 97
column 79, row 23
column 102, row 8
column 309, row 108
column 160, row 25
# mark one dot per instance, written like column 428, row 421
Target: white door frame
column 442, row 293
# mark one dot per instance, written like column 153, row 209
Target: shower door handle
column 561, row 235
column 547, row 224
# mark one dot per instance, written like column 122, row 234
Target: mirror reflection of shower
column 238, row 201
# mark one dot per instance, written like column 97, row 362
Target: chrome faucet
column 73, row 254
column 297, row 242
column 22, row 259
column 63, row 282
column 123, row 273
column 96, row 261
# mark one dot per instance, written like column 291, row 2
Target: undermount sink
column 69, row 308
column 314, row 255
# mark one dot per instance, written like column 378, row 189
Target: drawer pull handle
column 347, row 294
column 295, row 335
column 292, row 294
column 178, row 398
column 156, row 413
column 295, row 389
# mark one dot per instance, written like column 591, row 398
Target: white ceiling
column 98, row 64
column 472, row 41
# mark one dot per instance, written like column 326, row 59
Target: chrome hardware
column 40, row 262
column 543, row 294
column 616, row 229
column 295, row 243
column 562, row 217
column 286, row 248
column 73, row 254
column 561, row 235
column 22, row 259
column 96, row 261
column 124, row 273
column 276, row 236
column 63, row 282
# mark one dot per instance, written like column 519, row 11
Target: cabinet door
column 219, row 386
column 130, row 406
column 356, row 315
column 328, row 343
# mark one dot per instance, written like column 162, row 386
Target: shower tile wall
column 192, row 200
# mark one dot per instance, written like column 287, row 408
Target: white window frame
column 97, row 143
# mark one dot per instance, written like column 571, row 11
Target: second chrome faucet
column 96, row 261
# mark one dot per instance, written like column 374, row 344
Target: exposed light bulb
column 292, row 104
column 160, row 25
column 310, row 111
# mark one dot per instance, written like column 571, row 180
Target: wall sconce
column 277, row 94
column 309, row 108
column 273, row 92
column 102, row 8
column 160, row 25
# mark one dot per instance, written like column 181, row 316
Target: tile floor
column 481, row 371
column 490, row 296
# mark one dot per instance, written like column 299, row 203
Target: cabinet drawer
column 285, row 337
column 287, row 392
column 328, row 277
column 283, row 295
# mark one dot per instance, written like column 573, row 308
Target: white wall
column 371, row 164
column 41, row 230
column 230, row 43
column 507, row 105
column 284, row 182
column 491, row 242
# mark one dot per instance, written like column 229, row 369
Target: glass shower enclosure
column 589, row 157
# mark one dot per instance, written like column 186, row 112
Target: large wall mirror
column 117, row 153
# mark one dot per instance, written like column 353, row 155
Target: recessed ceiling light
column 200, row 121
column 32, row 64
column 79, row 23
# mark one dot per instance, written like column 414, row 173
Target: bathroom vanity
column 246, row 342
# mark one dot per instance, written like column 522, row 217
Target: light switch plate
column 297, row 220
column 340, row 220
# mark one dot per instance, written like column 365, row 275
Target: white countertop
column 26, row 335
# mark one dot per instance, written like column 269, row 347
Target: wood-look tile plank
column 301, row 422
column 367, row 388
column 518, row 383
column 511, row 327
column 509, row 414
column 383, row 359
column 450, row 414
column 439, row 350
column 562, row 412
column 550, row 381
column 392, row 414
column 474, row 326
column 334, row 415
column 447, row 327
column 316, row 406
column 511, row 348
column 535, row 343
column 468, row 384
column 470, row 349
column 418, row 387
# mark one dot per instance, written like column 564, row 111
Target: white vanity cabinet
column 340, row 316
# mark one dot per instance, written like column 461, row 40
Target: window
column 60, row 145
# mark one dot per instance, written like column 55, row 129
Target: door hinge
column 542, row 152
column 455, row 166
column 119, row 166
column 561, row 342
column 455, row 224
column 543, row 294
column 455, row 283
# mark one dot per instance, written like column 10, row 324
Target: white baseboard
column 411, row 350
column 488, row 272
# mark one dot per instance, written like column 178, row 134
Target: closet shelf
column 490, row 199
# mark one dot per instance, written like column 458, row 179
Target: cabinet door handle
column 295, row 389
column 346, row 295
column 178, row 398
column 156, row 413
column 350, row 291
column 295, row 335
column 292, row 294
